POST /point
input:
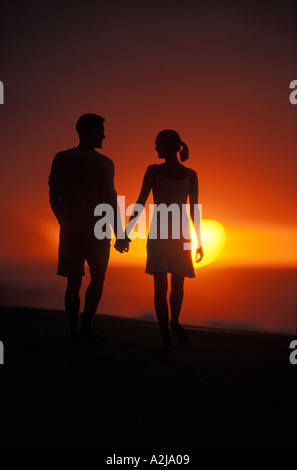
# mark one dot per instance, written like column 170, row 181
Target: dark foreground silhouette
column 222, row 390
column 80, row 179
column 171, row 184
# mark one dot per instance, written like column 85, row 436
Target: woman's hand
column 199, row 255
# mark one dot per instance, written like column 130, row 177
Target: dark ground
column 223, row 390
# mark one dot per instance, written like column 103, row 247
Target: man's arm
column 110, row 195
column 55, row 203
column 54, row 194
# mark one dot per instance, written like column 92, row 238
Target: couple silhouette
column 80, row 179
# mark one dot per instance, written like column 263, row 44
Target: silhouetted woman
column 171, row 183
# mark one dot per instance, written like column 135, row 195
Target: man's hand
column 122, row 245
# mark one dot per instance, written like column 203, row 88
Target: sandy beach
column 223, row 390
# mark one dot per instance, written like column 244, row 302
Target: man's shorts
column 76, row 247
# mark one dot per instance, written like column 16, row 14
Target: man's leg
column 97, row 256
column 72, row 303
column 92, row 299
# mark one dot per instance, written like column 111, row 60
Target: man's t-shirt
column 82, row 179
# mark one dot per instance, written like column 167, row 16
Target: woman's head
column 168, row 143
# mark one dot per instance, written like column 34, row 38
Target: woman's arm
column 147, row 184
column 195, row 213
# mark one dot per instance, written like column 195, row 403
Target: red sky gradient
column 217, row 72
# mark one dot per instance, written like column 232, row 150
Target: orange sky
column 217, row 72
column 223, row 85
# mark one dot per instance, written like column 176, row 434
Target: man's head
column 90, row 129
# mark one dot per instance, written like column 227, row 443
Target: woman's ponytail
column 184, row 153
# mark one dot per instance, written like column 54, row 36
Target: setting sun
column 213, row 240
column 230, row 245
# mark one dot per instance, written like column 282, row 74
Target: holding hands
column 122, row 245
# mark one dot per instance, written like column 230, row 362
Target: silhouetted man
column 80, row 179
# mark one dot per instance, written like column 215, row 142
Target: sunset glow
column 213, row 236
column 254, row 245
column 213, row 240
column 218, row 76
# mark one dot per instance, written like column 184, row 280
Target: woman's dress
column 166, row 252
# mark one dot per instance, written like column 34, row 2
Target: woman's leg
column 176, row 296
column 161, row 306
column 176, row 300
